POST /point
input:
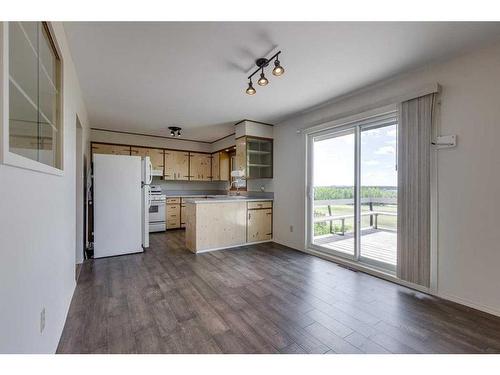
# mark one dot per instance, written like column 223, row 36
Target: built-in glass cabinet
column 259, row 158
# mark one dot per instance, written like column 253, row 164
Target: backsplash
column 212, row 187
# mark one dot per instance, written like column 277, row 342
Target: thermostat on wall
column 445, row 141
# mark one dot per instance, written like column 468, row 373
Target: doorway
column 353, row 200
column 80, row 195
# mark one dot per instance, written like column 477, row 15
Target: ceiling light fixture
column 175, row 131
column 261, row 64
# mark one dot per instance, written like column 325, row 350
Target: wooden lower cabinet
column 183, row 213
column 259, row 222
column 173, row 214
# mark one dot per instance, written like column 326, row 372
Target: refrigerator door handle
column 150, row 165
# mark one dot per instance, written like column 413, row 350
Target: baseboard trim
column 472, row 305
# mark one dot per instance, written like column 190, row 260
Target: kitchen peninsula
column 219, row 222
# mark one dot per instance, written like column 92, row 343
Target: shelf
column 259, row 152
column 260, row 165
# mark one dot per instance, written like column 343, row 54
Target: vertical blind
column 414, row 153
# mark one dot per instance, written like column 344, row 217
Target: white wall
column 37, row 236
column 469, row 178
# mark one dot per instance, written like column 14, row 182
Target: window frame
column 6, row 156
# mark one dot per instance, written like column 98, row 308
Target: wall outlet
column 291, row 228
column 42, row 320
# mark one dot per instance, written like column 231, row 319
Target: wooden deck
column 376, row 244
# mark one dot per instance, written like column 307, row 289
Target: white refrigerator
column 121, row 204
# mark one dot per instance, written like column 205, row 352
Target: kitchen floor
column 263, row 298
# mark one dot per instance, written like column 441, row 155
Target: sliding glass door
column 334, row 210
column 353, row 205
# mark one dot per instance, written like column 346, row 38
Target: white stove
column 157, row 210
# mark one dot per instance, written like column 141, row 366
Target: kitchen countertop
column 226, row 198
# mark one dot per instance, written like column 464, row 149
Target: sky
column 334, row 159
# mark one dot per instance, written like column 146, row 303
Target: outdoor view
column 334, row 210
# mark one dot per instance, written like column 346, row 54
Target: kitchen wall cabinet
column 215, row 167
column 155, row 154
column 200, row 167
column 220, row 166
column 259, row 221
column 176, row 165
column 259, row 158
column 241, row 155
column 103, row 148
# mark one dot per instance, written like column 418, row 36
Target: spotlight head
column 250, row 90
column 262, row 80
column 278, row 69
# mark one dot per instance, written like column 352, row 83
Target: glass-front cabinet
column 259, row 156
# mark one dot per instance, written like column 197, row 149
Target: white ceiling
column 144, row 77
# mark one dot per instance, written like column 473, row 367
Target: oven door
column 157, row 212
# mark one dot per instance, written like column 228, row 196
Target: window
column 354, row 191
column 34, row 93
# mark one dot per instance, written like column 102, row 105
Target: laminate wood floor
column 264, row 298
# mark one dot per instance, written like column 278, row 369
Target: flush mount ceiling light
column 261, row 64
column 175, row 131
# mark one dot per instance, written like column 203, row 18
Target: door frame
column 356, row 127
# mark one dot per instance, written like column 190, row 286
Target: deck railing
column 366, row 200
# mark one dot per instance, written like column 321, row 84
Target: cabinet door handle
column 249, row 216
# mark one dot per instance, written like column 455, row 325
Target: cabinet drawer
column 257, row 205
column 173, row 210
column 174, row 200
column 173, row 223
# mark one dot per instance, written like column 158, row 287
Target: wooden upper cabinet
column 155, row 154
column 224, row 166
column 200, row 166
column 176, row 165
column 241, row 155
column 215, row 167
column 102, row 148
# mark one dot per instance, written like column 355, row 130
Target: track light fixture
column 261, row 64
column 175, row 131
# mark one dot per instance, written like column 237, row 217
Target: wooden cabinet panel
column 215, row 166
column 259, row 225
column 263, row 204
column 176, row 165
column 183, row 215
column 241, row 155
column 200, row 168
column 155, row 154
column 224, row 166
column 102, row 148
column 173, row 215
